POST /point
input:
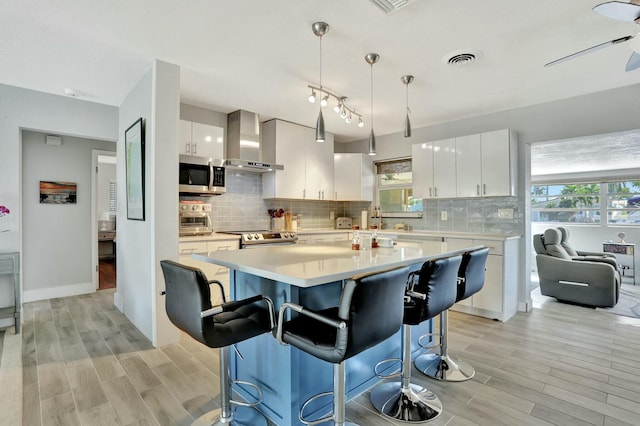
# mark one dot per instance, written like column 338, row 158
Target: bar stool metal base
column 444, row 367
column 242, row 416
column 414, row 404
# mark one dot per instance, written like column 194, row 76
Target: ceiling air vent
column 389, row 6
column 462, row 59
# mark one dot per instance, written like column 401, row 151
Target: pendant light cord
column 320, row 94
column 371, row 106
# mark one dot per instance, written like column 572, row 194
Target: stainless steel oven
column 261, row 239
column 194, row 219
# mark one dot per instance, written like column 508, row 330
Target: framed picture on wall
column 54, row 192
column 134, row 157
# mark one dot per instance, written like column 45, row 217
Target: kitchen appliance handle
column 210, row 175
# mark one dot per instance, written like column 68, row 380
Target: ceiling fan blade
column 633, row 62
column 590, row 50
column 618, row 10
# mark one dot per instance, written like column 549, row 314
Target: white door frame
column 94, row 214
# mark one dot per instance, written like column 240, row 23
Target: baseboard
column 118, row 302
column 61, row 291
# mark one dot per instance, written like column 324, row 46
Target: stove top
column 249, row 238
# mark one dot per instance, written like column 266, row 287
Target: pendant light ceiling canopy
column 371, row 59
column 406, row 80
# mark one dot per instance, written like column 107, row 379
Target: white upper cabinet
column 434, row 169
column 480, row 165
column 499, row 163
column 200, row 139
column 353, row 177
column 308, row 165
column 487, row 164
column 469, row 166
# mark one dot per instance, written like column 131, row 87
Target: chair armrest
column 595, row 253
column 339, row 324
column 220, row 286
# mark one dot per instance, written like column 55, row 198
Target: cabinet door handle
column 336, row 195
column 223, row 248
column 319, row 195
column 430, row 194
column 195, row 148
column 187, row 148
column 323, row 194
column 484, row 189
column 304, row 193
column 435, row 191
column 478, row 189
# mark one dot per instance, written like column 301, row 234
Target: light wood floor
column 83, row 363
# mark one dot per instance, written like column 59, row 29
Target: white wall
column 603, row 112
column 142, row 244
column 56, row 245
column 28, row 109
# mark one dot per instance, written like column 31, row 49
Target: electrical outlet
column 332, row 215
column 505, row 213
column 443, row 215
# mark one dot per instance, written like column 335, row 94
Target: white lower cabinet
column 498, row 298
column 211, row 271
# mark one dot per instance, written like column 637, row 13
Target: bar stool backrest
column 187, row 294
column 372, row 307
column 438, row 282
column 472, row 270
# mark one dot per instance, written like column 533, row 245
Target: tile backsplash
column 242, row 208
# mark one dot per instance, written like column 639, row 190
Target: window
column 581, row 202
column 395, row 189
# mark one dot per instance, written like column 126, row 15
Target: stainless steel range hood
column 244, row 148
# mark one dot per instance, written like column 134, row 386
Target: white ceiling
column 260, row 55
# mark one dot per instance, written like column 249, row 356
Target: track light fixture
column 312, row 96
column 341, row 107
column 371, row 59
column 407, row 79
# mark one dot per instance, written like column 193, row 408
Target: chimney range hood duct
column 244, row 148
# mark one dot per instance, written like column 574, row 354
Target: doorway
column 104, row 219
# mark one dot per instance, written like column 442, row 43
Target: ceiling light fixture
column 407, row 79
column 312, row 96
column 320, row 29
column 324, row 100
column 371, row 59
column 341, row 107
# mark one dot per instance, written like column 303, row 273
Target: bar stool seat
column 428, row 292
column 188, row 306
column 370, row 311
column 442, row 365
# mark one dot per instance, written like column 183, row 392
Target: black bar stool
column 429, row 292
column 442, row 366
column 370, row 311
column 188, row 305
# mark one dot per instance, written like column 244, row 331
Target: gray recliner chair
column 585, row 255
column 591, row 280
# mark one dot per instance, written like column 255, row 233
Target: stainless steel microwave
column 201, row 176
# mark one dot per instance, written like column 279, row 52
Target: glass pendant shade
column 372, row 143
column 407, row 80
column 320, row 136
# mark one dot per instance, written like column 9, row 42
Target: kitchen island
column 311, row 275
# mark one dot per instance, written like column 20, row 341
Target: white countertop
column 307, row 265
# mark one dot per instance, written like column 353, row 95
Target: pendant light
column 407, row 79
column 371, row 59
column 320, row 29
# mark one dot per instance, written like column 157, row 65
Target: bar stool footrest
column 414, row 404
column 446, row 368
column 244, row 403
column 387, row 361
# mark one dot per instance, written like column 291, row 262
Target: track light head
column 324, row 100
column 312, row 96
